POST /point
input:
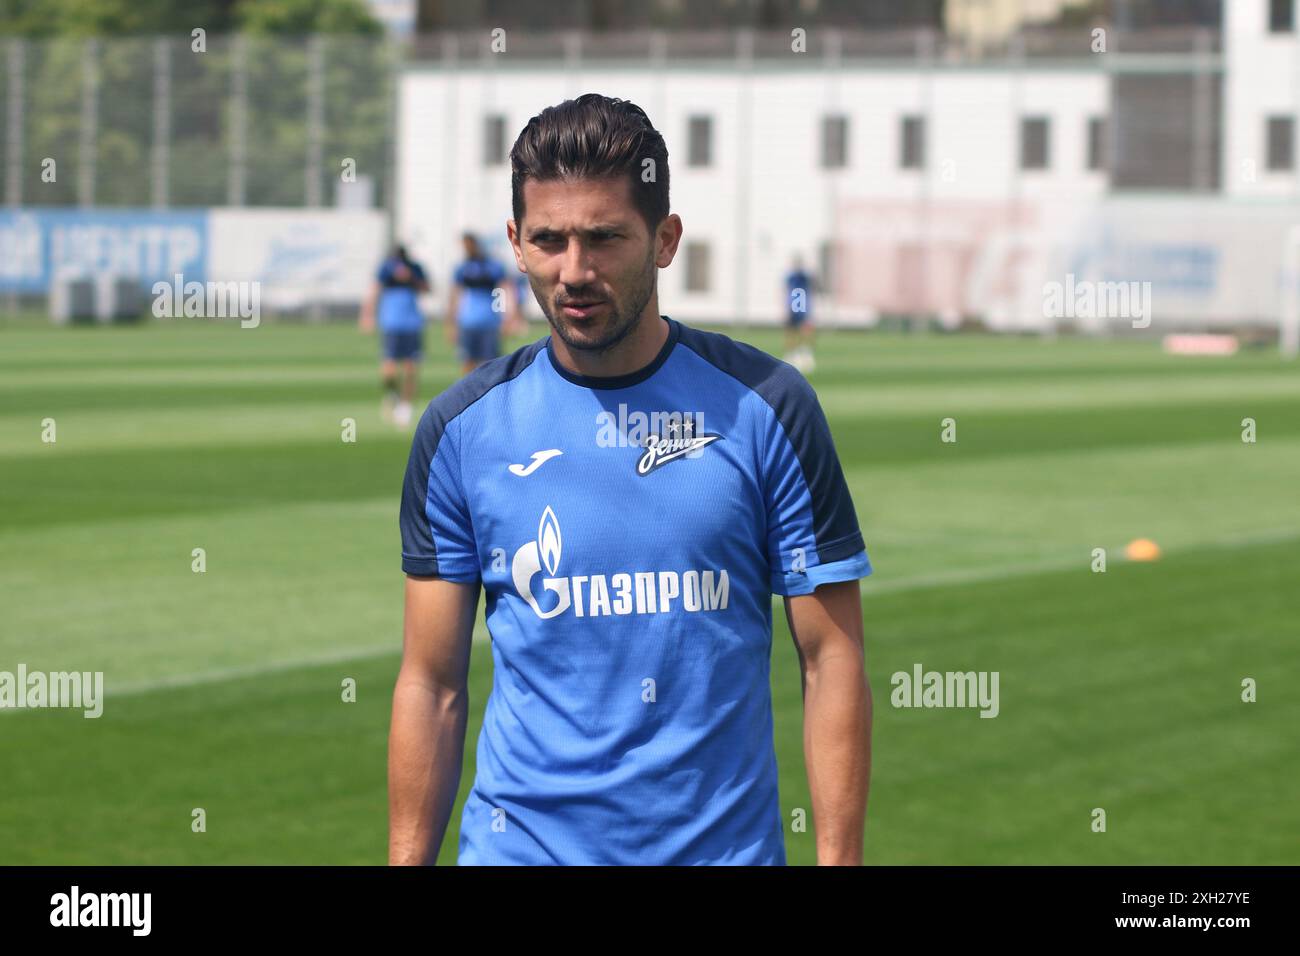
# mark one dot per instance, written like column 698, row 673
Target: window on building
column 698, row 267
column 835, row 142
column 700, row 141
column 494, row 141
column 1281, row 16
column 1033, row 143
column 913, row 143
column 1096, row 142
column 1281, row 143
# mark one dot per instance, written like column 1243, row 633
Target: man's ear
column 670, row 234
column 512, row 234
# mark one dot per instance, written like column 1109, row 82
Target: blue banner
column 38, row 245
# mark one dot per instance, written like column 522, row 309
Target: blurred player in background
column 517, row 324
column 798, row 326
column 473, row 321
column 395, row 296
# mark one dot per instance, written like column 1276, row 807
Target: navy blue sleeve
column 813, row 536
column 437, row 533
column 812, row 530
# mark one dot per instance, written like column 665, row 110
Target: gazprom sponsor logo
column 619, row 593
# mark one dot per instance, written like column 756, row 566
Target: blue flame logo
column 528, row 562
column 548, row 540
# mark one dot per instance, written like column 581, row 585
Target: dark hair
column 593, row 137
column 399, row 251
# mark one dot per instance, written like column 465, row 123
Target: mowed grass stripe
column 132, row 657
column 318, row 578
column 1117, row 690
column 915, row 518
column 1050, row 394
column 138, row 482
column 923, row 518
column 58, row 483
column 843, row 355
column 196, row 377
column 244, row 425
column 359, row 390
column 124, row 390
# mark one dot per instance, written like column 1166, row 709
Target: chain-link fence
column 197, row 121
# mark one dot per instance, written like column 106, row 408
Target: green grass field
column 1119, row 690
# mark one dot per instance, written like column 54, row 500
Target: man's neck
column 634, row 353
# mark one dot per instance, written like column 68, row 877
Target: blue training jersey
column 477, row 279
column 399, row 308
column 629, row 533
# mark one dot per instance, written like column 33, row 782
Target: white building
column 909, row 183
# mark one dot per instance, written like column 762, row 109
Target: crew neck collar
column 620, row 381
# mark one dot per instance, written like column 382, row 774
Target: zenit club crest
column 664, row 436
column 677, row 441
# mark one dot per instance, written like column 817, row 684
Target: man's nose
column 575, row 267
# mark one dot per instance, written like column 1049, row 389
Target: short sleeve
column 385, row 273
column 458, row 277
column 437, row 532
column 813, row 536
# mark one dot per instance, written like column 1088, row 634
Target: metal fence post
column 89, row 123
column 160, row 161
column 237, row 169
column 14, row 137
column 315, row 119
column 14, row 140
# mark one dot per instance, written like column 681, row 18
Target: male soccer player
column 473, row 317
column 798, row 326
column 401, row 324
column 629, row 493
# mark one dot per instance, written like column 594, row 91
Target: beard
column 607, row 329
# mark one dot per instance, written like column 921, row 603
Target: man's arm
column 368, row 306
column 510, row 314
column 426, row 742
column 827, row 630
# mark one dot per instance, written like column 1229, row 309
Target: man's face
column 584, row 241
